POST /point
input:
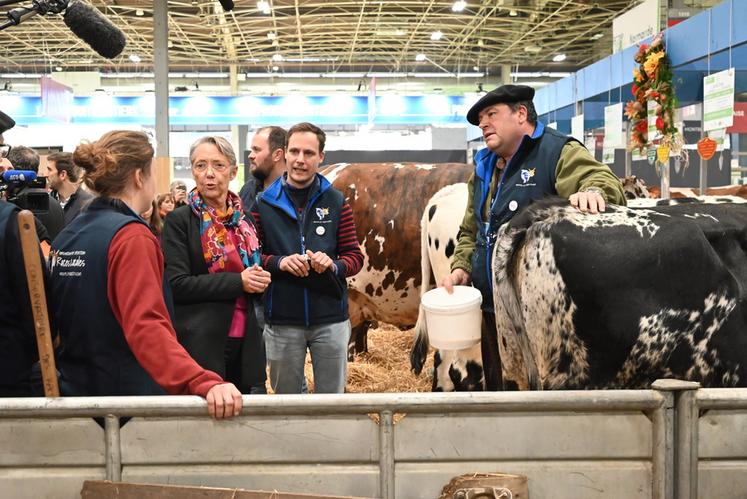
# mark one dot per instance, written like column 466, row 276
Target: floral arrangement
column 652, row 81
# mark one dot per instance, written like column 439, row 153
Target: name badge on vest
column 320, row 230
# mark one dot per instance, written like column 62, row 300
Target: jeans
column 286, row 354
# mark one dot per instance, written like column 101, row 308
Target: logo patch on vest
column 322, row 212
column 526, row 176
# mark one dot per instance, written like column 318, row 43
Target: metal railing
column 672, row 407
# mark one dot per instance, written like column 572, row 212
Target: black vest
column 317, row 298
column 94, row 357
column 530, row 175
column 17, row 337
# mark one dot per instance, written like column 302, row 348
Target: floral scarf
column 216, row 229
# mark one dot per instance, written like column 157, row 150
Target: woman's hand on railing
column 224, row 401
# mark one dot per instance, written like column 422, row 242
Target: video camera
column 25, row 190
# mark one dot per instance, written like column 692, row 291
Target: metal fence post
column 386, row 455
column 684, row 429
column 113, row 449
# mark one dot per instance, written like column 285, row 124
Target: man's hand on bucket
column 458, row 277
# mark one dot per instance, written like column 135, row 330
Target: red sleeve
column 348, row 248
column 135, row 291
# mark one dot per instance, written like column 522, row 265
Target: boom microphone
column 92, row 27
column 18, row 176
column 226, row 4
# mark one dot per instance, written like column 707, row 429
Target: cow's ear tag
column 707, row 148
column 320, row 230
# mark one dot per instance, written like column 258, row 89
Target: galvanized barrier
column 671, row 408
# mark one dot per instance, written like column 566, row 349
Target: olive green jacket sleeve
column 467, row 232
column 577, row 170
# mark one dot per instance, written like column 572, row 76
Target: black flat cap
column 6, row 122
column 505, row 94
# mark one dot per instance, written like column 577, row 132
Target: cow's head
column 634, row 187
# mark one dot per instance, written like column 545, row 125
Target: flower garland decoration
column 652, row 81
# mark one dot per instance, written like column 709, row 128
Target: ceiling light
column 436, row 35
column 139, row 12
column 597, row 36
column 277, row 57
column 271, row 35
column 135, row 58
column 476, row 68
column 559, row 58
column 513, row 13
column 58, row 68
column 263, row 6
column 399, row 32
column 275, row 68
column 480, row 43
column 459, row 6
column 420, row 57
column 534, row 49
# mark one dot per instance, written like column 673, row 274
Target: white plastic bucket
column 453, row 320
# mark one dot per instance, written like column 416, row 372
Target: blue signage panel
column 247, row 110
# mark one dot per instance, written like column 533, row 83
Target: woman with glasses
column 213, row 265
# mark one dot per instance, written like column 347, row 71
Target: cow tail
column 506, row 259
column 419, row 350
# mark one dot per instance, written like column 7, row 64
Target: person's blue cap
column 506, row 94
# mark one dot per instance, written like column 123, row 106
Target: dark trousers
column 233, row 368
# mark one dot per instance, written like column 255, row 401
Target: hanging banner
column 718, row 100
column 608, row 155
column 577, row 128
column 613, row 126
column 637, row 24
column 740, row 118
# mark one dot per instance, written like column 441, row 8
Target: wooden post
column 37, row 294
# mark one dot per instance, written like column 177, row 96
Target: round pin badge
column 320, row 230
column 513, row 205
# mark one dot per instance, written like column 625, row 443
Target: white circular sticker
column 513, row 205
column 320, row 230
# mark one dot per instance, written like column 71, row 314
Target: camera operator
column 6, row 123
column 33, row 195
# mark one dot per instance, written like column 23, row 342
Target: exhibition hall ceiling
column 336, row 36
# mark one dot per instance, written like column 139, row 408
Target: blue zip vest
column 530, row 175
column 303, row 301
column 94, row 357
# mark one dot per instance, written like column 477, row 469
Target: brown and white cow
column 387, row 201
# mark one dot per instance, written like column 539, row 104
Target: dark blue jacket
column 17, row 337
column 94, row 357
column 530, row 175
column 317, row 298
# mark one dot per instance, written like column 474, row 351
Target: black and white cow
column 620, row 299
column 453, row 370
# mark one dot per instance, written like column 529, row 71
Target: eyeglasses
column 4, row 150
column 203, row 166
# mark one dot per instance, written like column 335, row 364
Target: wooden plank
column 121, row 490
